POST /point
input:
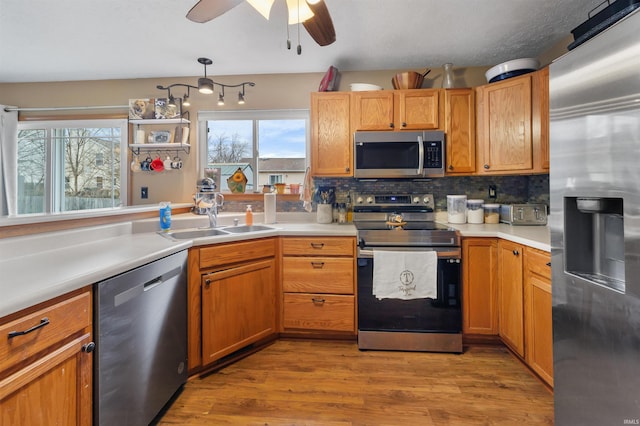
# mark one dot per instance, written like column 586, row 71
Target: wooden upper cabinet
column 504, row 126
column 540, row 119
column 460, row 128
column 373, row 110
column 331, row 141
column 415, row 109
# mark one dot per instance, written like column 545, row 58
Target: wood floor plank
column 298, row 382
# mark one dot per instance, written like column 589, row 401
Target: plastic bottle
column 249, row 216
column 165, row 216
column 349, row 209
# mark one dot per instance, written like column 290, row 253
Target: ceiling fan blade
column 206, row 10
column 320, row 26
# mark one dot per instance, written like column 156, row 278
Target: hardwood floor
column 295, row 382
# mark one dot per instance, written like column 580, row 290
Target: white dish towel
column 405, row 274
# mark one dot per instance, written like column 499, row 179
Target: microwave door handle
column 421, row 156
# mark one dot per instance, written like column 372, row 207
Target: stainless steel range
column 392, row 225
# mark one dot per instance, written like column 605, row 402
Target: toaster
column 523, row 214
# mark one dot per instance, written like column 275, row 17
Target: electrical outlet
column 144, row 192
column 493, row 193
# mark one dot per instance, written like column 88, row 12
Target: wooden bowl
column 407, row 80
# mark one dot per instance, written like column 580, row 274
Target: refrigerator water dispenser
column 594, row 240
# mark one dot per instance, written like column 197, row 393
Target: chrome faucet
column 211, row 202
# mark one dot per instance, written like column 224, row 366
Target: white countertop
column 37, row 268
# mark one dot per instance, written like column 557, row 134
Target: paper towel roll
column 140, row 136
column 270, row 208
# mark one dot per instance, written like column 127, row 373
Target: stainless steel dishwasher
column 141, row 341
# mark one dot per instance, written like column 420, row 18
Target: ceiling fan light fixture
column 262, row 6
column 299, row 11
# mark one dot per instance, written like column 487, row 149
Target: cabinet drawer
column 317, row 275
column 64, row 319
column 319, row 312
column 537, row 262
column 321, row 246
column 224, row 254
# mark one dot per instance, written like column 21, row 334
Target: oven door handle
column 443, row 253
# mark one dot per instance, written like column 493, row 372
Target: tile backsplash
column 509, row 189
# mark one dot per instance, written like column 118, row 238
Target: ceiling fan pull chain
column 299, row 46
column 288, row 37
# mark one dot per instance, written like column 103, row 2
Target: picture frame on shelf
column 160, row 136
column 165, row 111
column 142, row 109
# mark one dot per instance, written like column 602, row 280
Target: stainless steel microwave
column 399, row 154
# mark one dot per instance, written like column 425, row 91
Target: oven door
column 440, row 315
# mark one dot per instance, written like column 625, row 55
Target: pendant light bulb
column 220, row 99
column 185, row 100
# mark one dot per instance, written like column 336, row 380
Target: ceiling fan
column 313, row 14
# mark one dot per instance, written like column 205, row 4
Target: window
column 269, row 146
column 71, row 165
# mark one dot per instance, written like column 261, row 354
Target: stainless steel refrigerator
column 595, row 228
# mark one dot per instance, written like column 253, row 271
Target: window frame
column 255, row 115
column 55, row 154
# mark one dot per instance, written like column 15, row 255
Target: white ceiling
column 59, row 40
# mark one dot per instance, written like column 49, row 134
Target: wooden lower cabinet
column 511, row 295
column 537, row 313
column 232, row 299
column 238, row 308
column 318, row 285
column 46, row 375
column 480, row 286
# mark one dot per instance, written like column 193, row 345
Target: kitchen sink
column 194, row 233
column 247, row 228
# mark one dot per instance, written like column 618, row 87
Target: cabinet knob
column 404, row 124
column 391, row 125
column 347, row 169
column 89, row 347
column 486, row 166
column 516, row 252
column 450, row 166
column 549, row 264
column 207, row 283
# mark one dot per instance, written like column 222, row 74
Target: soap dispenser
column 249, row 216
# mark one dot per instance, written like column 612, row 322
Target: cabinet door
column 331, row 141
column 373, row 110
column 238, row 308
column 505, row 122
column 540, row 119
column 53, row 390
column 460, row 128
column 480, row 286
column 538, row 322
column 417, row 109
column 510, row 295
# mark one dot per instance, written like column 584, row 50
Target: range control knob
column 426, row 200
column 359, row 200
column 369, row 200
column 416, row 200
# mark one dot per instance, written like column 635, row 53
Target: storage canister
column 457, row 208
column 491, row 213
column 475, row 212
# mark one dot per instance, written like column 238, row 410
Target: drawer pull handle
column 516, row 252
column 548, row 263
column 317, row 245
column 43, row 322
column 317, row 265
column 89, row 347
column 317, row 300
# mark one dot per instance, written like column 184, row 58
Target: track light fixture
column 205, row 86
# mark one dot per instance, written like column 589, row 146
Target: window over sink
column 269, row 146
